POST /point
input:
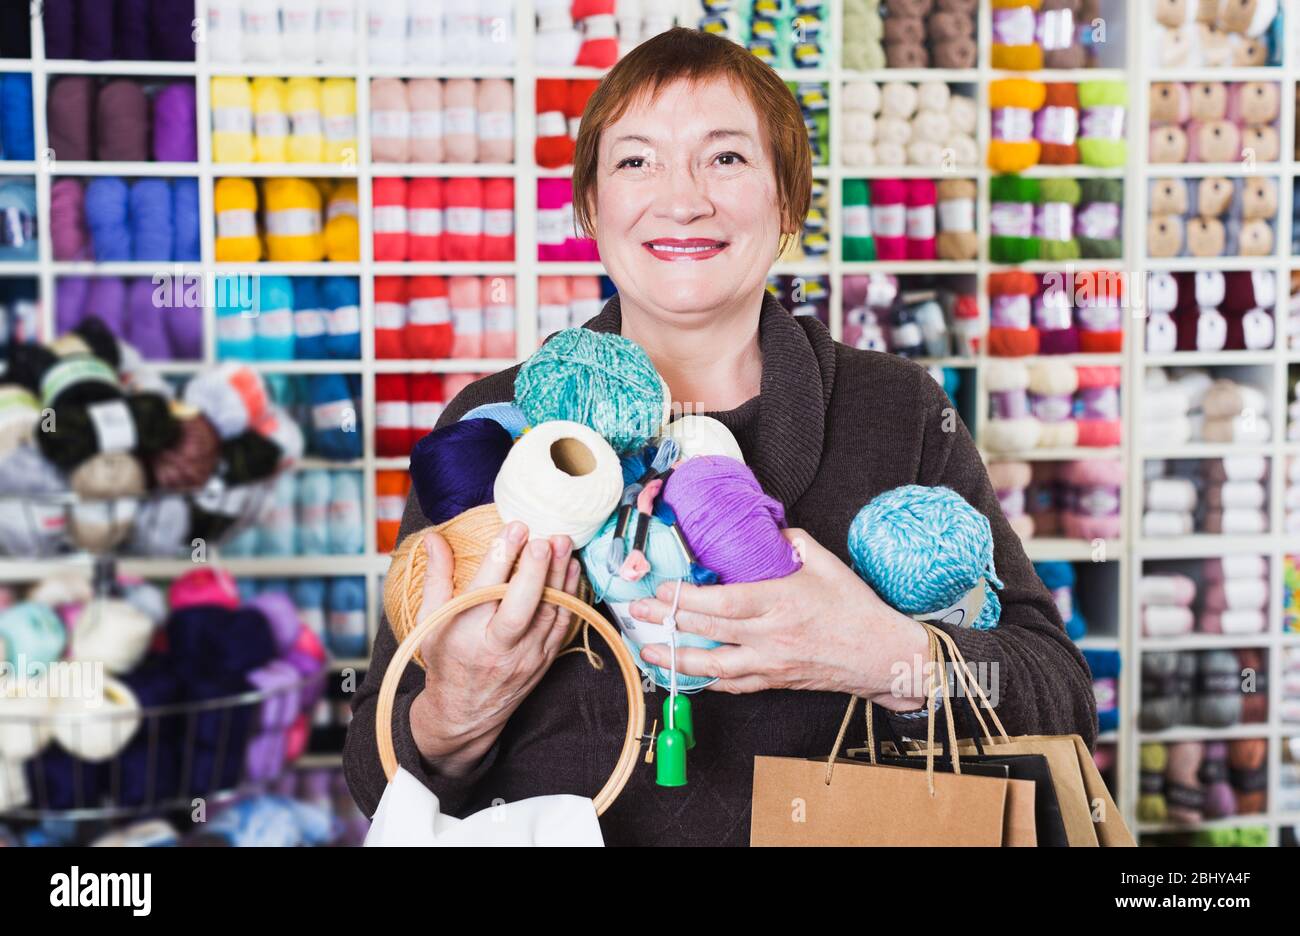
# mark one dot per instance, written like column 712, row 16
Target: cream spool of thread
column 25, row 727
column 470, row 535
column 702, row 435
column 99, row 727
column 559, row 478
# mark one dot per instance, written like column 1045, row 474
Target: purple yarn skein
column 730, row 524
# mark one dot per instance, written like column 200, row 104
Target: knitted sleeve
column 365, row 774
column 1033, row 672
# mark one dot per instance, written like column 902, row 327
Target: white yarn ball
column 933, row 95
column 703, row 435
column 964, row 150
column 923, row 153
column 113, row 632
column 893, row 130
column 931, row 126
column 890, row 154
column 24, row 724
column 1003, row 375
column 232, row 396
column 859, row 127
column 1012, row 435
column 862, row 96
column 560, row 477
column 97, row 727
column 963, row 113
column 858, row 154
column 898, row 99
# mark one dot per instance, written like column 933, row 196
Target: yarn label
column 308, row 323
column 464, row 220
column 347, row 623
column 582, row 309
column 962, row 613
column 550, row 226
column 426, row 124
column 498, row 319
column 857, row 221
column 393, row 414
column 345, row 320
column 260, row 22
column 1105, row 123
column 277, row 323
column 1055, row 221
column 920, row 222
column 390, row 315
column 293, row 222
column 1058, row 125
column 389, row 219
column 599, row 27
column 113, row 425
column 1100, row 318
column 551, row 124
column 425, row 222
column 906, row 335
column 1013, row 124
column 1015, row 26
column 390, row 124
column 496, row 125
column 1051, row 409
column 236, row 222
column 433, row 310
column 326, row 416
column 956, row 215
column 426, row 415
column 889, row 220
column 234, row 328
column 341, row 127
column 232, row 120
column 1011, row 219
column 1099, row 221
column 459, row 121
column 1010, row 312
column 467, row 321
column 1055, row 29
column 498, row 222
column 274, row 124
column 552, row 318
column 306, row 123
column 340, row 208
column 1053, row 312
column 389, row 507
column 1098, row 501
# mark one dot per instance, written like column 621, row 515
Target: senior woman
column 692, row 169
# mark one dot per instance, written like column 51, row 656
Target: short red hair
column 682, row 54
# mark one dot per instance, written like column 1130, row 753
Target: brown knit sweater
column 831, row 428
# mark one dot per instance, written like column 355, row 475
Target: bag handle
column 972, row 689
column 402, row 657
column 937, row 690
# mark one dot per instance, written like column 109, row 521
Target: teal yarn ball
column 922, row 548
column 667, row 563
column 603, row 381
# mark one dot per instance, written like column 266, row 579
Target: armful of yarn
column 1033, row 673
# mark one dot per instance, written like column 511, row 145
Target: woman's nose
column 683, row 196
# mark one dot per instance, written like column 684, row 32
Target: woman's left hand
column 820, row 628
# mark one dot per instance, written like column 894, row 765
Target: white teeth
column 682, row 250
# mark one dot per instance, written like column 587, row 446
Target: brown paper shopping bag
column 1087, row 809
column 800, row 801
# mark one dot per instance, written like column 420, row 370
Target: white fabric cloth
column 409, row 814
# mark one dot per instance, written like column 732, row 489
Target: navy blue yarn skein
column 454, row 469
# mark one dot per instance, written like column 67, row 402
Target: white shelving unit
column 1273, row 545
column 1127, row 552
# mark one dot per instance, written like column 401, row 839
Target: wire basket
column 215, row 749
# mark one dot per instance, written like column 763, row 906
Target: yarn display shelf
column 291, row 170
column 1076, row 453
column 1205, row 73
column 151, row 721
column 24, row 570
column 1078, row 359
column 318, row 762
column 1223, row 822
column 279, row 268
column 1223, row 264
column 1057, row 266
column 145, row 268
column 948, row 75
column 1208, row 545
column 858, row 267
column 957, row 362
column 1108, row 737
column 443, row 365
column 911, row 172
column 1207, row 642
column 1075, row 171
column 449, row 71
column 331, row 366
column 278, row 70
column 446, row 268
column 1063, row 549
column 1241, row 168
column 1208, row 358
column 60, row 167
column 134, row 67
column 1098, row 642
column 447, row 170
column 17, row 167
column 1199, row 733
column 1065, row 75
column 401, row 463
column 1197, row 450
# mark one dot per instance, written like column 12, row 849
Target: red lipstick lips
column 685, row 248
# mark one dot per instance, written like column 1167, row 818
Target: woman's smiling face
column 687, row 213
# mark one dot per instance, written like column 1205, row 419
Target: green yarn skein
column 603, row 381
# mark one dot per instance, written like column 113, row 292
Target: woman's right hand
column 480, row 666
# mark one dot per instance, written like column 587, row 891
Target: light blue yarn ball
column 922, row 548
column 510, row 417
column 667, row 563
column 603, row 381
column 32, row 631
